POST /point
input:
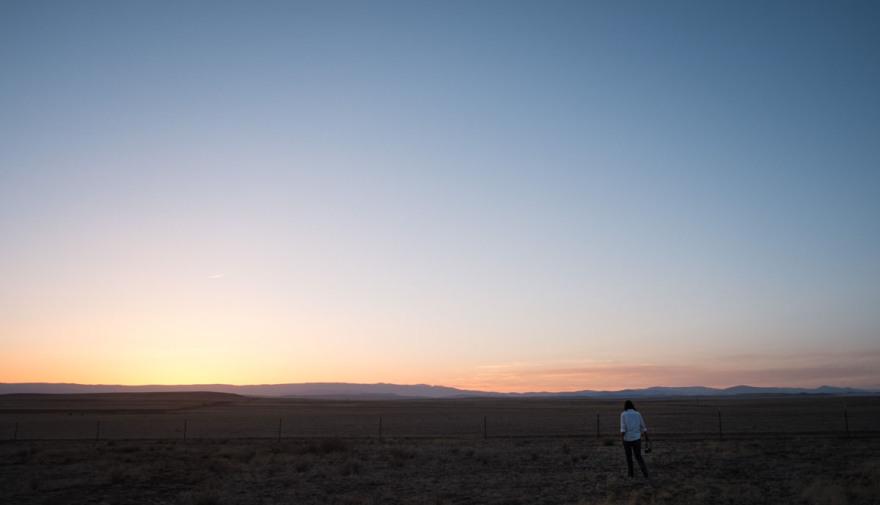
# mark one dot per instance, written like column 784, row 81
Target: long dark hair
column 628, row 405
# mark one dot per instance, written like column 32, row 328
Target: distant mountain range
column 391, row 391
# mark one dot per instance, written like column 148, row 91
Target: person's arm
column 622, row 427
column 642, row 427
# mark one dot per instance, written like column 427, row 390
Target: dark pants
column 634, row 447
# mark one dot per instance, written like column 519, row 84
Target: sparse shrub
column 20, row 456
column 327, row 446
column 201, row 497
column 608, row 442
column 400, row 453
column 822, row 492
column 117, row 476
column 397, row 456
column 127, row 449
column 483, row 458
column 219, row 466
column 354, row 500
column 206, row 498
column 240, row 454
column 272, row 469
column 350, row 468
column 246, row 455
column 566, row 449
column 302, row 466
column 54, row 457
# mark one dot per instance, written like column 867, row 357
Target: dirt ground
column 438, row 471
column 776, row 450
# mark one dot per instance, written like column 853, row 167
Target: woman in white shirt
column 631, row 428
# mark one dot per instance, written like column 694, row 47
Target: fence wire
column 692, row 422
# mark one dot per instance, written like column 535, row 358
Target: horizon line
column 439, row 386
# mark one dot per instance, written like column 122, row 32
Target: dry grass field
column 431, row 452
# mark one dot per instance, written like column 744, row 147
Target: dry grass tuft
column 824, row 492
column 350, row 468
column 327, row 446
column 201, row 498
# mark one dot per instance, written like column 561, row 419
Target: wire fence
column 697, row 423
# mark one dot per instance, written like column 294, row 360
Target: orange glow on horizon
column 518, row 378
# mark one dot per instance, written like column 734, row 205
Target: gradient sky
column 498, row 195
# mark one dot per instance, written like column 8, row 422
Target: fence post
column 846, row 422
column 184, row 429
column 380, row 427
column 485, row 432
column 597, row 427
column 280, row 419
column 97, row 430
column 15, row 433
column 720, row 431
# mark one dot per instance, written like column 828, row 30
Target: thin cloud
column 805, row 370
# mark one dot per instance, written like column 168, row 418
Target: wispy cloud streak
column 796, row 370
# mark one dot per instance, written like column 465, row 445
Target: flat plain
column 208, row 448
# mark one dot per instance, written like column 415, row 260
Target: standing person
column 631, row 428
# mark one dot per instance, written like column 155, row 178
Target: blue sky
column 511, row 195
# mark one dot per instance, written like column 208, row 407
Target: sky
column 509, row 196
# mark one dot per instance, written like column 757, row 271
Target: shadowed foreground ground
column 499, row 471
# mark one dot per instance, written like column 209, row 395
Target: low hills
column 391, row 391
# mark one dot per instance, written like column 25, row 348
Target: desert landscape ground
column 209, row 448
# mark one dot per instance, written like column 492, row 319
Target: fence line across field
column 511, row 425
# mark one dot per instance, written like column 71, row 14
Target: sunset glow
column 493, row 196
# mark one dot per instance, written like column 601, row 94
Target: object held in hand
column 648, row 445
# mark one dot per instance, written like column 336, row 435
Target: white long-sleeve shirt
column 632, row 425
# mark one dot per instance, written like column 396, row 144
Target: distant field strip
column 249, row 418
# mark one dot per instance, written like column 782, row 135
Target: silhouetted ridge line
column 400, row 391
